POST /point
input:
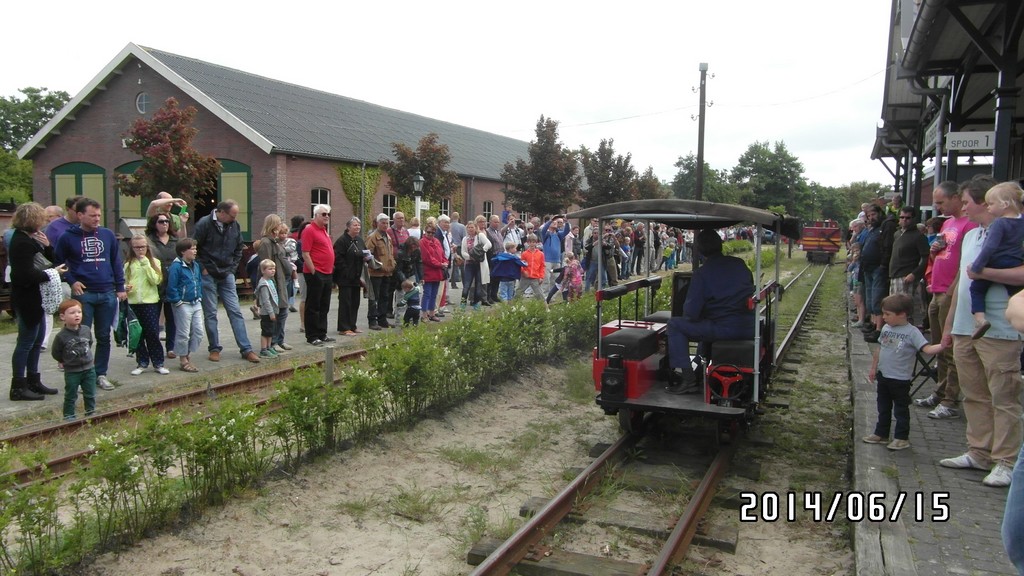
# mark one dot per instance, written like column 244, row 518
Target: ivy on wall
column 351, row 178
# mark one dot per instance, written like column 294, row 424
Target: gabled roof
column 279, row 117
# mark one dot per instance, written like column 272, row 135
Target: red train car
column 821, row 240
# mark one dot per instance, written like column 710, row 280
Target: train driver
column 716, row 308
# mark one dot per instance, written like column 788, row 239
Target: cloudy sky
column 803, row 72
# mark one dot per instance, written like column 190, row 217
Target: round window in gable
column 142, row 102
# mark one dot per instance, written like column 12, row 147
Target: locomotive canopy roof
column 691, row 214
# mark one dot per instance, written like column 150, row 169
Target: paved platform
column 969, row 541
column 13, row 414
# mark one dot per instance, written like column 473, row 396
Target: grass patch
column 418, row 504
column 358, row 509
column 580, row 383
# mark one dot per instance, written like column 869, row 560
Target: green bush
column 127, row 491
column 731, row 247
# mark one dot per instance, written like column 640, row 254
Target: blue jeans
column 98, row 312
column 224, row 290
column 28, row 346
column 591, row 277
column 188, row 320
column 681, row 332
column 507, row 290
column 1013, row 517
column 471, row 289
column 282, row 316
column 875, row 283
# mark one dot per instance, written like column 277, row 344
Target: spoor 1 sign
column 970, row 140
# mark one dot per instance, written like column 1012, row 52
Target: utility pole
column 700, row 131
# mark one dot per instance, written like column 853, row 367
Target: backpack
column 128, row 331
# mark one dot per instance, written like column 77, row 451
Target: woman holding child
column 271, row 247
column 27, row 274
column 476, row 273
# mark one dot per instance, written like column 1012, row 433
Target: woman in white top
column 476, row 273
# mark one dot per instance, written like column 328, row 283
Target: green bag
column 128, row 332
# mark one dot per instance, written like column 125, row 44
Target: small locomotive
column 630, row 358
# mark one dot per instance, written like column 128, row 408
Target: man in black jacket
column 219, row 239
column 908, row 261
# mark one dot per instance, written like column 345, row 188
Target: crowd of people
column 958, row 277
column 175, row 276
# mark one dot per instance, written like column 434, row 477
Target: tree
column 15, row 178
column 768, row 177
column 431, row 160
column 716, row 184
column 169, row 163
column 611, row 177
column 20, row 119
column 550, row 181
column 648, row 187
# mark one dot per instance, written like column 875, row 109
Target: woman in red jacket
column 434, row 267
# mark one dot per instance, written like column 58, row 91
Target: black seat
column 739, row 353
column 661, row 316
column 630, row 343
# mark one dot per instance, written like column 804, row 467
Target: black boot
column 20, row 391
column 36, row 385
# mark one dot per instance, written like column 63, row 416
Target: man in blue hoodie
column 553, row 233
column 96, row 276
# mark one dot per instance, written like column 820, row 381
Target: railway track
column 529, row 551
column 257, row 383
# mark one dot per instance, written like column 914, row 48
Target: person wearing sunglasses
column 318, row 270
column 174, row 209
column 161, row 246
column 219, row 240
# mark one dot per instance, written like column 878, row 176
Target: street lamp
column 417, row 190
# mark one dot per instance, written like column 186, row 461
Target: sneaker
column 285, row 345
column 999, row 476
column 898, row 444
column 961, row 461
column 875, row 439
column 267, row 353
column 856, row 324
column 317, row 342
column 277, row 348
column 931, row 401
column 103, row 383
column 162, row 370
column 215, row 356
column 328, row 339
column 138, row 370
column 944, row 413
column 293, row 309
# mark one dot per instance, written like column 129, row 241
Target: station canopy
column 691, row 215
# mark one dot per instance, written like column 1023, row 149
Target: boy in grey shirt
column 73, row 347
column 893, row 364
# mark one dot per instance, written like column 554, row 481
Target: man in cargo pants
column 716, row 308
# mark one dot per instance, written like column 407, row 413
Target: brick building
column 283, row 148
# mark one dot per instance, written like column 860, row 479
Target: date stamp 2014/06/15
column 851, row 506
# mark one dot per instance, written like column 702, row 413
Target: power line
column 754, row 105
